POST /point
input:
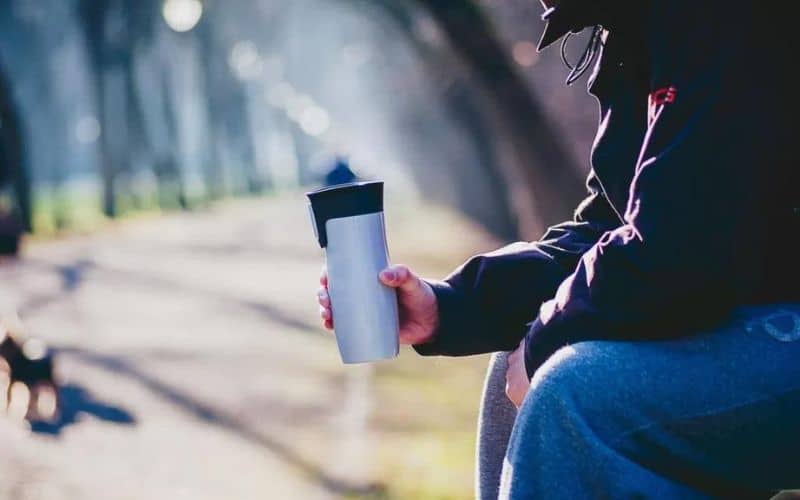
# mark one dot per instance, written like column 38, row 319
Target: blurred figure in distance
column 340, row 173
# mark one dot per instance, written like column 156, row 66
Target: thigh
column 716, row 410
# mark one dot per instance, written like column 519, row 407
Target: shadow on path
column 208, row 414
column 288, row 252
column 73, row 275
column 75, row 402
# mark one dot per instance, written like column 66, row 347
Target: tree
column 110, row 29
column 13, row 167
column 542, row 182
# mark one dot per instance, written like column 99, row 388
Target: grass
column 425, row 417
column 68, row 212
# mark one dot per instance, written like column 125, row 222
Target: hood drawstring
column 592, row 49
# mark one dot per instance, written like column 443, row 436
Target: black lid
column 346, row 200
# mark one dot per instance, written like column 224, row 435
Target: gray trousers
column 715, row 415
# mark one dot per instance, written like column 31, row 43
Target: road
column 191, row 362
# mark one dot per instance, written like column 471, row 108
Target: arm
column 487, row 303
column 677, row 264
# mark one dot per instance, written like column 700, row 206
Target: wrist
column 532, row 355
column 444, row 310
column 434, row 315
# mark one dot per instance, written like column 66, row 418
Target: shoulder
column 689, row 18
column 691, row 34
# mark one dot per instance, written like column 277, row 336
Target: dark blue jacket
column 694, row 194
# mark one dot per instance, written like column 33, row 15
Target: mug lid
column 345, row 200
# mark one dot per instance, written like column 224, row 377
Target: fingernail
column 389, row 275
column 322, row 294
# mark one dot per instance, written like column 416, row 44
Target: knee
column 567, row 395
column 551, row 420
column 572, row 369
column 576, row 382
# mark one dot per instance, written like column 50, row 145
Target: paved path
column 192, row 366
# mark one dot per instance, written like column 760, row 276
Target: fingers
column 326, row 315
column 517, row 383
column 514, row 357
column 325, row 308
column 323, row 298
column 512, row 364
column 518, row 354
column 323, row 278
column 401, row 277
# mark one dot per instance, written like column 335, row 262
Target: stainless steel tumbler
column 348, row 222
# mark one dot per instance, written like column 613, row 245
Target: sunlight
column 87, row 130
column 245, row 60
column 315, row 121
column 34, row 349
column 182, row 15
column 524, row 53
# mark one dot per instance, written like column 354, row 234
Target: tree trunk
column 13, row 167
column 544, row 182
column 93, row 18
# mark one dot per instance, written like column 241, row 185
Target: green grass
column 79, row 212
column 425, row 415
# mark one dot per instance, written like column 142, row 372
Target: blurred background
column 160, row 334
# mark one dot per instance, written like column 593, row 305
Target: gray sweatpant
column 715, row 415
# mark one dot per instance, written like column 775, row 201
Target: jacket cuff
column 530, row 344
column 450, row 303
column 541, row 342
column 547, row 334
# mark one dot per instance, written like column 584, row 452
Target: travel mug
column 348, row 222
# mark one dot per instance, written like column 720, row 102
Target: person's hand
column 517, row 383
column 419, row 314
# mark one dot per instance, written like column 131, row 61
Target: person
column 340, row 173
column 655, row 338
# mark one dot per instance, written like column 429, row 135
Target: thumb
column 400, row 277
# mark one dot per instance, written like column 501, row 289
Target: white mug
column 348, row 222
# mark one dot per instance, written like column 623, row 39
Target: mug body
column 365, row 314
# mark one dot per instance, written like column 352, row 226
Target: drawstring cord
column 586, row 58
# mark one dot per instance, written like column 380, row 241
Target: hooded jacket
column 693, row 205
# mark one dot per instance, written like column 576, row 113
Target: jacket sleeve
column 671, row 268
column 488, row 303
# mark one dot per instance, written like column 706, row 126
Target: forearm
column 463, row 330
column 487, row 304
